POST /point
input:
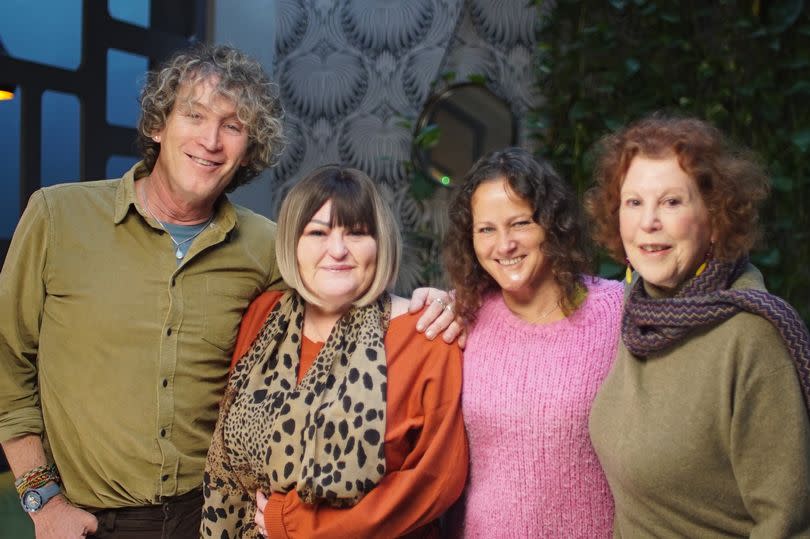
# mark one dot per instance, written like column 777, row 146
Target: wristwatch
column 35, row 499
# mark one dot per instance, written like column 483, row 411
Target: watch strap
column 34, row 499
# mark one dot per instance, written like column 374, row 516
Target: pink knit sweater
column 527, row 393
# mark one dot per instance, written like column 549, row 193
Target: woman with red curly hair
column 702, row 424
column 542, row 337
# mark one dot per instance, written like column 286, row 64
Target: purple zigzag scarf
column 652, row 324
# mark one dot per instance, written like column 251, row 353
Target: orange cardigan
column 425, row 444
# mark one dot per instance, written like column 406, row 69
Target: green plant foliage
column 744, row 66
column 428, row 137
column 422, row 188
column 477, row 78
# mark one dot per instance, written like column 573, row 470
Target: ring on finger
column 449, row 308
column 441, row 302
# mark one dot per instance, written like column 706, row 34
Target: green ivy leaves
column 744, row 66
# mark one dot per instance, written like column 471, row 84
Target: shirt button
column 164, row 478
column 162, row 433
column 165, row 382
column 169, row 331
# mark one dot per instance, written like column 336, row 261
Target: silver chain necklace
column 541, row 317
column 179, row 252
column 545, row 314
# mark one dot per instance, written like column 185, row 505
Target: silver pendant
column 179, row 254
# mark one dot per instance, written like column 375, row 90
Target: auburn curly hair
column 731, row 180
column 240, row 79
column 555, row 208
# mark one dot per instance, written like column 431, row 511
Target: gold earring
column 628, row 273
column 705, row 262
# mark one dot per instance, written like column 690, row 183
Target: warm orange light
column 5, row 95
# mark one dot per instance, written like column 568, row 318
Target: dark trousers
column 177, row 518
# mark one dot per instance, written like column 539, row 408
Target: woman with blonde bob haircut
column 339, row 419
column 357, row 201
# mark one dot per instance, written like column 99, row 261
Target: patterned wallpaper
column 351, row 71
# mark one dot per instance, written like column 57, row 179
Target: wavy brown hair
column 240, row 79
column 555, row 209
column 731, row 181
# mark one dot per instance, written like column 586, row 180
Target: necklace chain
column 547, row 313
column 179, row 252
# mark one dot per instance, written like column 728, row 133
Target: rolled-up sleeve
column 22, row 296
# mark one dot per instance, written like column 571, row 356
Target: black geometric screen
column 172, row 25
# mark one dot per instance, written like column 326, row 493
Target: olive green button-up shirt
column 113, row 351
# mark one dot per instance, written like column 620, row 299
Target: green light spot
column 445, row 180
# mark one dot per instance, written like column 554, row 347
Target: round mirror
column 459, row 125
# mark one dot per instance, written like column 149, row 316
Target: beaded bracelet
column 36, row 478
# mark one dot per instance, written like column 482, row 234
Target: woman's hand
column 438, row 315
column 261, row 503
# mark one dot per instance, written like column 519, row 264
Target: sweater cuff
column 273, row 518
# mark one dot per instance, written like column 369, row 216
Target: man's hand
column 59, row 519
column 438, row 315
column 261, row 503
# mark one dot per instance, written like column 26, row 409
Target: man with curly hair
column 120, row 302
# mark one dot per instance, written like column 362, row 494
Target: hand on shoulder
column 437, row 315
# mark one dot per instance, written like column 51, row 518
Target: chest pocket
column 225, row 300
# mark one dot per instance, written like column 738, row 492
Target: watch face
column 32, row 501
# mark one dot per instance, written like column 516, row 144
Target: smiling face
column 663, row 221
column 506, row 239
column 336, row 264
column 202, row 145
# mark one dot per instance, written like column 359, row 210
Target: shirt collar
column 126, row 198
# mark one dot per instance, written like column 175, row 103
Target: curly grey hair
column 240, row 79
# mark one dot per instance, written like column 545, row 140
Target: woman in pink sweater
column 542, row 338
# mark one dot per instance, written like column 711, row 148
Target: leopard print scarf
column 322, row 437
